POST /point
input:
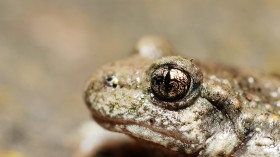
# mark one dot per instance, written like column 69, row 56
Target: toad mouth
column 149, row 133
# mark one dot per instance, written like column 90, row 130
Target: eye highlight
column 170, row 83
column 174, row 82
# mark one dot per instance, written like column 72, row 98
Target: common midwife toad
column 183, row 105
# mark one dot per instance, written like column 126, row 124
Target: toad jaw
column 185, row 130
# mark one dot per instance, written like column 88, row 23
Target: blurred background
column 48, row 49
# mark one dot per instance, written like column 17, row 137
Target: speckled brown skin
column 229, row 112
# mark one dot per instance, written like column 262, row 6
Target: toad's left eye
column 174, row 82
column 169, row 83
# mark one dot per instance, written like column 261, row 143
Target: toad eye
column 174, row 82
column 169, row 83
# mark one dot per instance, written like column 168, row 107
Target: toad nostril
column 112, row 81
column 115, row 85
column 110, row 78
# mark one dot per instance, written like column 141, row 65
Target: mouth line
column 140, row 130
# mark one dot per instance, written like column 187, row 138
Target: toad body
column 187, row 106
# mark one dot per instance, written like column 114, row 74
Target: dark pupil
column 169, row 83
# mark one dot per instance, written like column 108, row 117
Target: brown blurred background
column 48, row 49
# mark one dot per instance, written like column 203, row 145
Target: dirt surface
column 48, row 49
